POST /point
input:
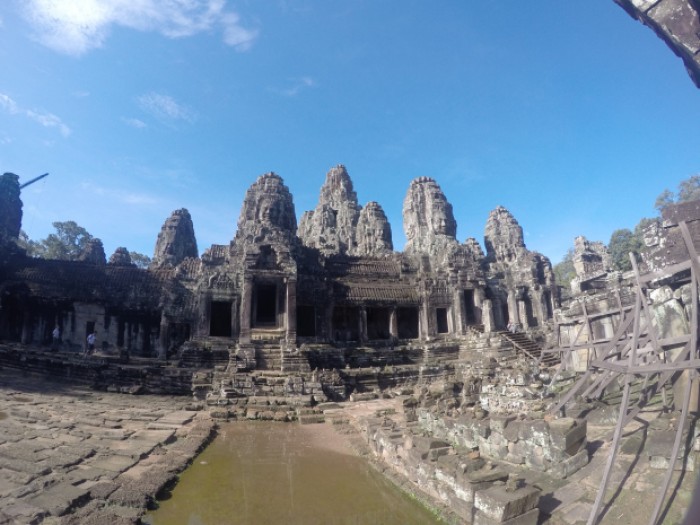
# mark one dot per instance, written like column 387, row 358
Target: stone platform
column 72, row 455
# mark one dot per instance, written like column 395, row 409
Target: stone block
column 499, row 504
column 571, row 440
column 59, row 498
column 512, row 430
column 499, row 423
column 563, row 469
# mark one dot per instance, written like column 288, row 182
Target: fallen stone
column 499, row 504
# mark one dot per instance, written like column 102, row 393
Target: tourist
column 55, row 338
column 91, row 343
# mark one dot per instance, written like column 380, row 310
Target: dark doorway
column 442, row 326
column 547, row 298
column 529, row 315
column 469, row 307
column 504, row 314
column 346, row 323
column 89, row 328
column 220, row 319
column 266, row 305
column 407, row 323
column 378, row 323
column 306, row 321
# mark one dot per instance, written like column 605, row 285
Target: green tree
column 66, row 244
column 564, row 271
column 622, row 242
column 688, row 190
column 30, row 246
column 140, row 260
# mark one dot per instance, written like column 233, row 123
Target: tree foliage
column 564, row 271
column 66, row 244
column 688, row 190
column 140, row 260
column 622, row 242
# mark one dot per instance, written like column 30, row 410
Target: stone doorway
column 442, row 325
column 265, row 305
column 306, row 321
column 378, row 323
column 220, row 319
column 407, row 323
column 346, row 323
column 470, row 313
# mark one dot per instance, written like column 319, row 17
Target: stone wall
column 557, row 446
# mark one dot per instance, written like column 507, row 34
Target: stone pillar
column 26, row 328
column 479, row 297
column 393, row 324
column 246, row 305
column 522, row 313
column 458, row 312
column 162, row 348
column 291, row 311
column 424, row 322
column 513, row 310
column 487, row 316
column 363, row 324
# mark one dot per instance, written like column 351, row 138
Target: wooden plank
column 593, row 518
column 674, row 453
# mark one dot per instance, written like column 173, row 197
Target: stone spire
column 428, row 220
column 121, row 257
column 331, row 226
column 503, row 236
column 10, row 208
column 267, row 214
column 176, row 240
column 94, row 253
column 373, row 233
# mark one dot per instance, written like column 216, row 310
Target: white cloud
column 48, row 120
column 165, row 107
column 296, row 86
column 134, row 122
column 126, row 197
column 75, row 27
column 8, row 104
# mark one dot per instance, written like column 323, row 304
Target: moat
column 261, row 472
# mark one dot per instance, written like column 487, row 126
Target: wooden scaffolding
column 636, row 350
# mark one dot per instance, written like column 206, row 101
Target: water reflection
column 259, row 473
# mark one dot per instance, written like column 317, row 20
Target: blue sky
column 572, row 115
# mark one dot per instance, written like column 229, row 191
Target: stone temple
column 279, row 288
column 475, row 384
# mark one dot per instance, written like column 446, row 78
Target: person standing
column 55, row 338
column 91, row 338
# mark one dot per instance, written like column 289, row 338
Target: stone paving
column 70, row 455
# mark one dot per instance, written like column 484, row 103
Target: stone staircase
column 524, row 345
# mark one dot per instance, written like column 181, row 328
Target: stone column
column 162, row 348
column 424, row 329
column 522, row 313
column 26, row 328
column 393, row 324
column 246, row 304
column 291, row 311
column 487, row 316
column 479, row 297
column 363, row 324
column 513, row 310
column 458, row 312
